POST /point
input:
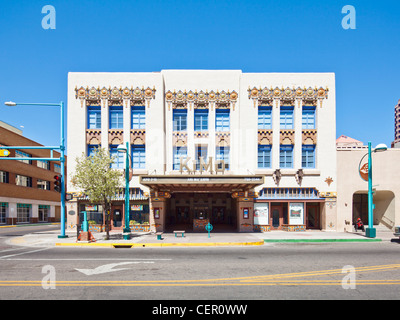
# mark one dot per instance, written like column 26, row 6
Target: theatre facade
column 246, row 152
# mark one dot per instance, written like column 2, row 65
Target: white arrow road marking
column 108, row 267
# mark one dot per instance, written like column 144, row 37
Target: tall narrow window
column 286, row 156
column 264, row 117
column 138, row 117
column 138, row 156
column 94, row 117
column 4, row 177
column 3, row 212
column 179, row 119
column 222, row 153
column 179, row 152
column 264, row 157
column 308, row 156
column 222, row 121
column 308, row 117
column 200, row 119
column 90, row 151
column 116, row 117
column 286, row 117
column 119, row 158
column 201, row 151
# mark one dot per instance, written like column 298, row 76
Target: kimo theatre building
column 244, row 151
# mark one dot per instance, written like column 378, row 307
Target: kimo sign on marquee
column 219, row 165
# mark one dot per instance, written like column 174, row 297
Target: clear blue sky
column 253, row 36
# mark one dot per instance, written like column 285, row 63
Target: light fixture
column 10, row 103
column 121, row 148
column 380, row 147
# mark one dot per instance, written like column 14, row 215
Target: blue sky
column 253, row 36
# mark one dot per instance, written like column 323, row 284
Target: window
column 3, row 212
column 286, row 118
column 94, row 117
column 308, row 117
column 308, row 156
column 42, row 184
column 90, row 150
column 264, row 117
column 57, row 168
column 286, row 157
column 44, row 211
column 264, row 157
column 201, row 151
column 200, row 120
column 178, row 153
column 119, row 158
column 138, row 157
column 4, row 177
column 23, row 213
column 223, row 154
column 116, row 117
column 23, row 181
column 20, row 154
column 138, row 120
column 179, row 120
column 43, row 164
column 222, row 120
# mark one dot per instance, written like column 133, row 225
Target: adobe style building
column 26, row 186
column 244, row 151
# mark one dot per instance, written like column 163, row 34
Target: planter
column 139, row 227
column 96, row 228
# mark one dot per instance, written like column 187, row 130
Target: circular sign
column 364, row 171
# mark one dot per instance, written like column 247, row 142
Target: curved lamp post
column 370, row 232
column 127, row 229
column 62, row 149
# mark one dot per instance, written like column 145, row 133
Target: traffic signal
column 57, row 183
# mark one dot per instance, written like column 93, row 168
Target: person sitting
column 359, row 225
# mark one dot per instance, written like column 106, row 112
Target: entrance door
column 277, row 217
column 313, row 216
column 117, row 218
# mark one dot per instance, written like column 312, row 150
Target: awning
column 204, row 183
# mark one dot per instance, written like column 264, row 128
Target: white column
column 275, row 133
column 211, row 133
column 104, row 123
column 190, row 134
column 298, row 111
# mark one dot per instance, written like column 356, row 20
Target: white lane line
column 18, row 254
column 99, row 259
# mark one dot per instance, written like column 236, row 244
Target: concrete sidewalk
column 143, row 239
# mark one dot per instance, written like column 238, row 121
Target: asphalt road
column 327, row 271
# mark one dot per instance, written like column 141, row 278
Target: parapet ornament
column 265, row 96
column 93, row 96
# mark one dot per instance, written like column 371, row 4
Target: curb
column 143, row 245
column 321, row 240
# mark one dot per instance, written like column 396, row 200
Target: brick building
column 26, row 186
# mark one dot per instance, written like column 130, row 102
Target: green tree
column 94, row 176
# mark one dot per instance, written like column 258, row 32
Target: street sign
column 364, row 172
column 4, row 153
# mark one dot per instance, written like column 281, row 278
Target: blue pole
column 62, row 147
column 127, row 229
column 370, row 231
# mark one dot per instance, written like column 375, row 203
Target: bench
column 181, row 232
column 159, row 234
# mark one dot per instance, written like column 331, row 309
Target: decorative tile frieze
column 179, row 139
column 115, row 96
column 138, row 136
column 222, row 139
column 286, row 137
column 115, row 136
column 201, row 99
column 201, row 134
column 265, row 96
column 93, row 136
column 309, row 136
column 265, row 137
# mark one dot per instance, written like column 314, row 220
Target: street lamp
column 62, row 149
column 370, row 232
column 127, row 229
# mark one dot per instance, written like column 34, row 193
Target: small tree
column 100, row 183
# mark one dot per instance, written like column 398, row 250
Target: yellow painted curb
column 142, row 245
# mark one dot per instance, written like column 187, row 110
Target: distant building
column 396, row 142
column 347, row 142
column 26, row 186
